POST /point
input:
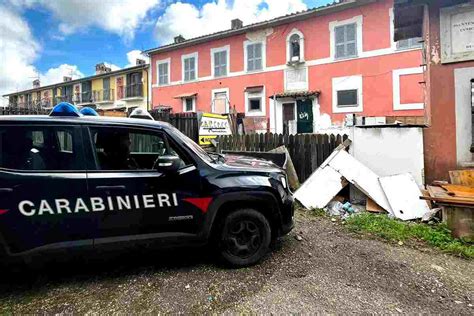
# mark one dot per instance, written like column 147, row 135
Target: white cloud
column 121, row 17
column 190, row 21
column 18, row 51
column 55, row 75
column 133, row 55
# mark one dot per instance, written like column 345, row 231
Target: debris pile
column 398, row 195
column 456, row 201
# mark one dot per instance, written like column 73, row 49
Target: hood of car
column 252, row 163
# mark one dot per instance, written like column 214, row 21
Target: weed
column 437, row 235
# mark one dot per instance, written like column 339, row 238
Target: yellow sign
column 206, row 140
column 211, row 126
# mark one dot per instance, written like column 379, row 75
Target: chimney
column 66, row 78
column 236, row 24
column 102, row 68
column 179, row 39
column 140, row 61
column 36, row 83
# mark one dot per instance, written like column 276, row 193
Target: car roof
column 95, row 120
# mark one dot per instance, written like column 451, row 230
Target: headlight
column 283, row 182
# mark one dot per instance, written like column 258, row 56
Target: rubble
column 398, row 194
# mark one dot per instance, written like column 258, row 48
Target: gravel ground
column 328, row 271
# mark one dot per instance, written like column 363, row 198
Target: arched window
column 295, row 46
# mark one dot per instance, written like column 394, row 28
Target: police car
column 69, row 180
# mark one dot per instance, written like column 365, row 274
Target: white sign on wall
column 211, row 126
column 457, row 33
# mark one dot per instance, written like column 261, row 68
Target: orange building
column 296, row 73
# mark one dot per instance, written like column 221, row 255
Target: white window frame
column 214, row 91
column 158, row 63
column 264, row 54
column 347, row 83
column 194, row 104
column 288, row 48
column 396, row 74
column 194, row 55
column 225, row 48
column 358, row 20
column 263, row 104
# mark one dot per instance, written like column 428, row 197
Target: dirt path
column 328, row 271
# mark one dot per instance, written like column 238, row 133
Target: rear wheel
column 245, row 237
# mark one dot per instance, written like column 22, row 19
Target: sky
column 49, row 39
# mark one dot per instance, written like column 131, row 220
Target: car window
column 120, row 148
column 39, row 148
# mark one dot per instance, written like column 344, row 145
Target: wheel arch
column 263, row 202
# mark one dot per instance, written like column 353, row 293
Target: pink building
column 298, row 72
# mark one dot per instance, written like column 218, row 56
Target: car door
column 134, row 198
column 42, row 176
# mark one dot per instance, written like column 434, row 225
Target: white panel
column 462, row 87
column 318, row 190
column 403, row 195
column 361, row 176
column 390, row 150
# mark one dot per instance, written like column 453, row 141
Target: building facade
column 106, row 90
column 447, row 27
column 296, row 73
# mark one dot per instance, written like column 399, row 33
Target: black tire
column 245, row 238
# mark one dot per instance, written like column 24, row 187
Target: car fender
column 246, row 197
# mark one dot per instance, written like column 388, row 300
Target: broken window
column 415, row 42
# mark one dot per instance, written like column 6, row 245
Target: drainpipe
column 147, row 91
column 274, row 112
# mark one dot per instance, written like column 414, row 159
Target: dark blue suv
column 95, row 182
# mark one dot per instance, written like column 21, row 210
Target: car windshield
column 193, row 146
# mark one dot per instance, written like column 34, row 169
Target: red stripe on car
column 201, row 203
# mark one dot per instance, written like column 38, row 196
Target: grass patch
column 438, row 235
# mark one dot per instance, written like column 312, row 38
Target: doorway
column 304, row 113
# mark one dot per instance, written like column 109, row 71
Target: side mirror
column 167, row 163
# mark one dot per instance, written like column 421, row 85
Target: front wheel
column 245, row 237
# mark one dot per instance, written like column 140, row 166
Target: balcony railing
column 131, row 91
column 103, row 95
column 64, row 98
column 41, row 103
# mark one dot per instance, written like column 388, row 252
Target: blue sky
column 45, row 38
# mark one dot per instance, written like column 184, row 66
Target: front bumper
column 287, row 215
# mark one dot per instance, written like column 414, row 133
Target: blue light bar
column 87, row 111
column 65, row 109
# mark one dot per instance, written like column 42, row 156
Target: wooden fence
column 187, row 123
column 307, row 151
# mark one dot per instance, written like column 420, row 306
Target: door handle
column 110, row 187
column 6, row 190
